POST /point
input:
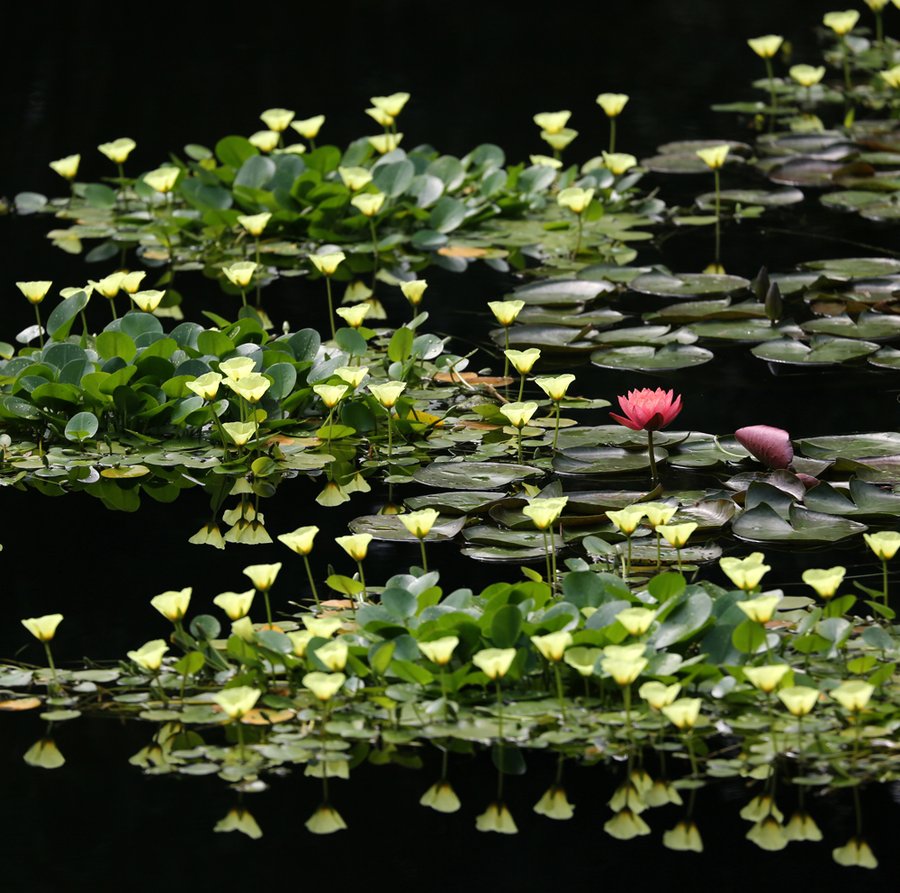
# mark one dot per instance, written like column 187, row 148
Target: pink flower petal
column 771, row 446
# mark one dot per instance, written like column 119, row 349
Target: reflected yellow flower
column 208, row 535
column 239, row 819
column 496, row 818
column 625, row 825
column 441, row 798
column 855, row 852
column 44, row 754
column 761, row 807
column 685, row 836
column 149, row 656
column 560, row 140
column 325, row 820
column 332, row 494
column 554, row 804
column 768, row 835
column 802, row 827
column 380, row 117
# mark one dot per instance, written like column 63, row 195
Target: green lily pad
column 550, row 339
column 886, row 358
column 809, row 172
column 613, row 435
column 561, row 291
column 688, row 285
column 465, row 475
column 454, row 502
column 823, row 350
column 747, row 331
column 850, row 199
column 649, row 359
column 855, row 267
column 862, row 498
column 868, row 326
column 654, row 336
column 598, row 318
column 851, row 446
column 604, row 460
column 768, row 198
column 391, row 529
column 763, row 524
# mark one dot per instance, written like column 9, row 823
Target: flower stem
column 37, row 316
column 51, row 665
column 312, row 582
column 424, row 558
column 884, row 572
column 519, row 444
column 612, row 135
column 505, row 357
column 521, row 386
column 654, row 474
column 773, row 101
column 718, row 216
column 556, row 427
column 499, row 712
column 268, row 607
column 559, row 690
column 547, row 556
column 362, row 579
column 330, row 305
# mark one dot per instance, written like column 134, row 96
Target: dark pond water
column 78, row 76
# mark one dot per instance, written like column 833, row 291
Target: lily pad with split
column 609, row 460
column 465, row 475
column 688, row 285
column 390, row 528
column 668, row 358
column 823, row 350
column 763, row 524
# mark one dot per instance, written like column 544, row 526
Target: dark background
column 76, row 76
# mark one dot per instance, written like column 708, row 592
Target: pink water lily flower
column 771, row 446
column 648, row 410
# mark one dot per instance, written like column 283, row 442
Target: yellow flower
column 554, row 804
column 118, row 150
column 884, row 543
column 799, row 699
column 324, row 685
column 239, row 819
column 545, row 161
column 332, row 494
column 240, row 273
column 44, row 754
column 612, row 103
column 618, row 163
column 552, row 122
column 661, row 793
column 842, row 22
column 636, row 620
column 162, row 179
column 34, row 292
column 523, row 360
column 391, row 105
column 66, row 167
column 237, row 367
column 766, row 678
column 300, row 540
column 544, row 512
column 330, row 394
column 205, row 386
column 239, row 432
column 768, row 834
column 677, row 535
column 825, row 582
column 627, row 519
column 414, row 290
column 891, row 77
column 354, row 315
column 334, row 654
column 255, row 223
column 148, row 300
column 496, row 818
column 658, row 513
column 299, row 640
column 355, row 178
column 325, row 820
column 150, row 656
column 494, row 662
column 877, row 5
column 277, row 119
column 109, row 285
column 327, row 263
column 264, row 140
column 683, row 713
column 368, row 203
column 745, row 573
column 441, row 798
column 855, row 852
column 309, row 128
column 766, row 46
column 553, row 645
column 625, row 652
column 383, row 143
column 684, row 836
column 262, row 575
column 353, row 375
column 243, row 629
column 802, row 827
column 519, row 414
column 131, row 282
column 760, row 608
column 439, row 651
column 575, row 199
column 807, row 75
column 560, row 140
column 237, row 701
column 555, row 387
column 658, row 695
column 714, row 156
column 380, row 117
column 761, row 807
column 251, row 387
column 235, row 604
column 582, row 659
column 506, row 311
column 208, row 535
column 625, row 825
column 294, row 149
column 419, row 523
column 356, row 546
column 172, row 604
column 43, row 628
column 388, row 393
column 324, row 627
column 624, row 671
column 853, row 695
